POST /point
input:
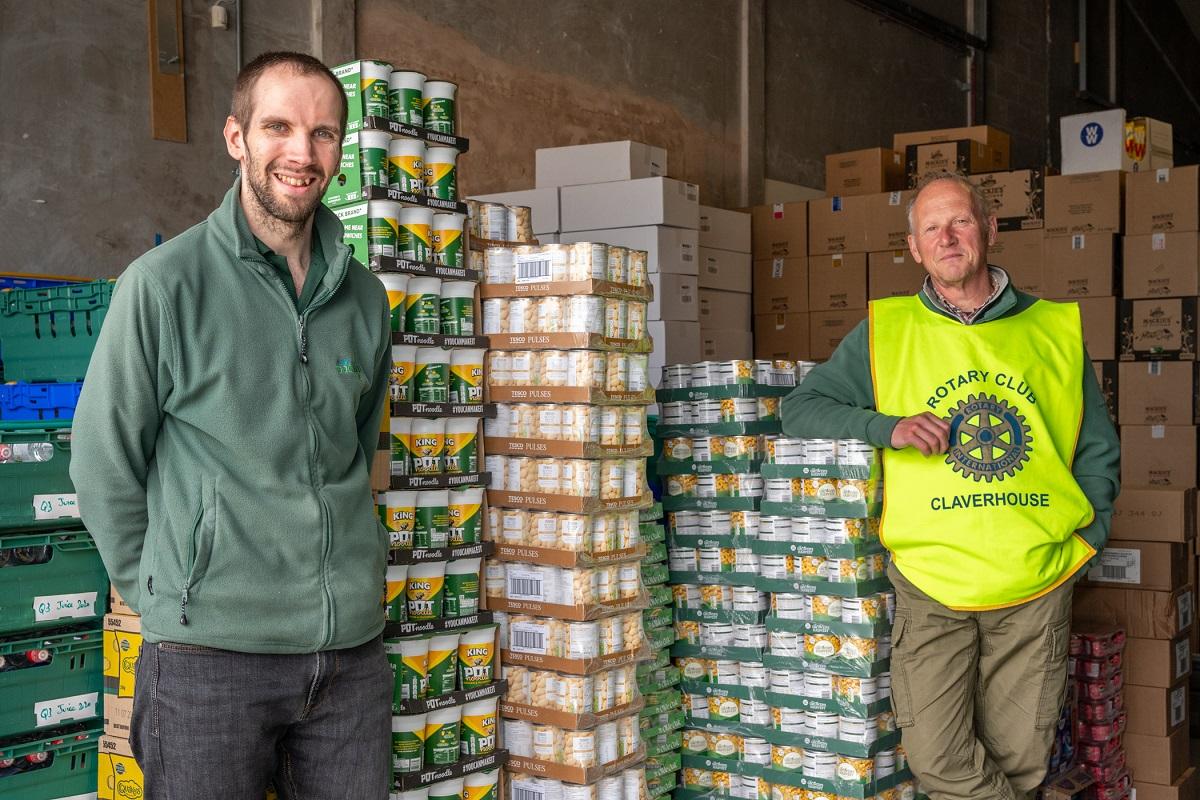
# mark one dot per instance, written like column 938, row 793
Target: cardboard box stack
column 119, row 774
column 725, row 282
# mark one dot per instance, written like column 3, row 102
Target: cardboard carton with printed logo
column 1099, row 318
column 1162, row 264
column 887, row 221
column 1014, row 196
column 1081, row 265
column 1143, row 614
column 1107, row 140
column 1019, row 253
column 1159, row 329
column 724, row 229
column 1160, row 393
column 1155, row 711
column 1149, row 514
column 961, row 156
column 1163, row 201
column 1084, row 203
column 1157, row 662
column 1162, row 566
column 837, row 281
column 781, row 285
column 893, row 273
column 869, row 171
column 837, row 225
column 1158, row 455
column 996, row 139
column 779, row 230
column 782, row 336
column 828, row 328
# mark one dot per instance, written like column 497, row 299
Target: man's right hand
column 926, row 432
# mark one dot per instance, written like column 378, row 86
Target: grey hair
column 979, row 203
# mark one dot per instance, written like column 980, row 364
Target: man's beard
column 284, row 212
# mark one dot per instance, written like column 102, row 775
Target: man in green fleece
column 1000, row 469
column 221, row 452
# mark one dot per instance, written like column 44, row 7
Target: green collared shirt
column 312, row 281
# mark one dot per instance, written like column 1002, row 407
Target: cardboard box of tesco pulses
column 779, row 230
column 1143, row 614
column 781, row 286
column 893, row 273
column 837, row 281
column 1159, row 760
column 1019, row 253
column 724, row 229
column 667, row 249
column 1162, row 265
column 1084, row 203
column 1159, row 329
column 676, row 297
column 994, row 138
column 630, row 204
column 1014, row 196
column 1103, row 140
column 721, row 344
column 1157, row 662
column 1154, row 711
column 1163, row 200
column 1162, row 566
column 1154, row 515
column 1158, row 455
column 887, row 221
column 782, row 336
column 869, row 171
column 1081, row 265
column 1160, row 393
column 725, row 270
column 725, row 310
column 597, row 163
column 837, row 225
column 1098, row 316
column 828, row 328
column 961, row 156
column 542, row 203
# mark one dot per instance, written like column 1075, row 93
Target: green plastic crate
column 70, row 770
column 70, row 588
column 37, row 494
column 65, row 689
column 48, row 334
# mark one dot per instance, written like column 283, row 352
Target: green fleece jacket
column 837, row 400
column 221, row 445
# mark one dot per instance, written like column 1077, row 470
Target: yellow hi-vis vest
column 992, row 523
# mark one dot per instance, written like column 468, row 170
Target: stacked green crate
column 658, row 679
column 53, row 586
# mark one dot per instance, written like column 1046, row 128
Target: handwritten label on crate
column 55, row 506
column 62, row 606
column 65, row 709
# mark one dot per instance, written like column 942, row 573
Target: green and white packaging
column 426, row 590
column 404, row 97
column 441, row 736
column 432, row 526
column 462, row 587
column 442, row 670
column 408, row 743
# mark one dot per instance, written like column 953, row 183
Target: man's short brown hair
column 301, row 63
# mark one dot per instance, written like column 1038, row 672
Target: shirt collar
column 1000, row 281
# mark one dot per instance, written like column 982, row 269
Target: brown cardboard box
column 863, row 172
column 1108, row 378
column 837, row 281
column 1159, row 393
column 728, row 310
column 1159, row 329
column 1144, row 614
column 1081, row 265
column 1015, row 197
column 1020, row 254
column 1144, row 514
column 1098, row 316
column 779, row 230
column 1070, row 785
column 828, row 328
column 1160, row 566
column 961, row 156
column 893, row 273
column 887, row 221
column 994, row 138
column 1158, row 662
column 1162, row 265
column 1184, row 788
column 1157, row 759
column 837, row 225
column 1162, row 200
column 781, row 285
column 723, row 344
column 1089, row 202
column 117, row 604
column 784, row 336
column 1158, row 455
column 1154, row 711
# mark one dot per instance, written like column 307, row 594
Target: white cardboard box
column 676, row 298
column 668, row 249
column 725, row 310
column 629, row 204
column 675, row 342
column 724, row 229
column 543, row 204
column 725, row 270
column 597, row 163
column 1106, row 140
column 721, row 344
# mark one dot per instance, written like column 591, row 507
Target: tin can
column 638, row 269
column 499, row 265
column 775, row 566
column 824, row 725
column 824, row 607
column 786, row 644
column 493, row 223
column 618, row 264
column 616, row 318
column 587, row 261
column 584, row 314
column 788, row 757
column 821, row 646
column 820, row 451
column 790, row 606
column 520, row 223
column 676, row 376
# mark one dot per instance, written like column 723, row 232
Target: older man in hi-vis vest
column 1000, row 469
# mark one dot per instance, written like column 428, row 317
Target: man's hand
column 926, row 432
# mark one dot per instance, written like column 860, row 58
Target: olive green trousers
column 977, row 693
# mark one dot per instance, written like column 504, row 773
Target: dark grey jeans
column 213, row 723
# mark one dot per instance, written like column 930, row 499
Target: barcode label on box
column 777, row 211
column 1183, row 658
column 777, row 268
column 527, row 637
column 1117, row 566
column 525, row 585
column 521, row 790
column 1163, row 175
column 532, row 268
column 894, row 197
column 1178, row 705
column 1077, row 241
column 1185, row 609
column 1158, row 241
